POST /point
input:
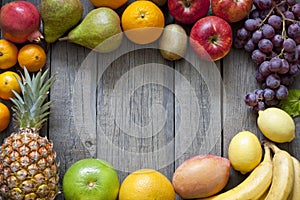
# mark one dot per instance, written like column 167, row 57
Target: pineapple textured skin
column 28, row 167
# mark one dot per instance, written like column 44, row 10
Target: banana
column 254, row 186
column 265, row 194
column 283, row 174
column 295, row 194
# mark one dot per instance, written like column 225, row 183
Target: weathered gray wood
column 65, row 60
column 198, row 84
column 135, row 110
column 238, row 79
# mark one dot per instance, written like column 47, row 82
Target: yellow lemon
column 245, row 151
column 276, row 124
column 146, row 184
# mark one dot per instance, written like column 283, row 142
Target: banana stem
column 271, row 145
column 267, row 156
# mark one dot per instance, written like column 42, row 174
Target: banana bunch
column 276, row 178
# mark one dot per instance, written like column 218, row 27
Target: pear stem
column 64, row 38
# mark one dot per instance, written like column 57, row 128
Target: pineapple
column 28, row 167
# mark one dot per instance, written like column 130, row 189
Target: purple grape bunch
column 271, row 34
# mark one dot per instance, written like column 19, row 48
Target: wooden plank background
column 140, row 110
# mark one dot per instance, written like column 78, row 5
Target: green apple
column 91, row 179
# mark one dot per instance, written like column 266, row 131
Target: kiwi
column 173, row 42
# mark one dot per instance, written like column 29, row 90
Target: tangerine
column 8, row 54
column 9, row 82
column 33, row 57
column 4, row 116
column 142, row 22
column 114, row 4
column 146, row 184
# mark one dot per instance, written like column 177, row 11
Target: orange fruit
column 4, row 116
column 33, row 57
column 142, row 22
column 146, row 184
column 8, row 54
column 114, row 4
column 8, row 82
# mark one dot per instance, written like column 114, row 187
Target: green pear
column 59, row 16
column 100, row 31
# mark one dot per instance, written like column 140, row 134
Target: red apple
column 211, row 38
column 188, row 11
column 231, row 10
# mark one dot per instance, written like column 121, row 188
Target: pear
column 100, row 31
column 59, row 16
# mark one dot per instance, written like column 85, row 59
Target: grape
column 281, row 92
column 271, row 33
column 237, row 43
column 267, row 31
column 289, row 45
column 297, row 40
column 286, row 80
column 259, row 106
column 272, row 102
column 263, row 4
column 282, row 6
column 296, row 10
column 249, row 46
column 250, row 99
column 275, row 64
column 291, row 2
column 277, row 40
column 272, row 55
column 259, row 77
column 269, row 94
column 298, row 50
column 242, row 34
column 254, row 14
column 265, row 45
column 259, row 94
column 273, row 81
column 264, row 13
column 289, row 15
column 294, row 30
column 264, row 68
column 251, row 24
column 275, row 21
column 257, row 36
column 258, row 56
column 294, row 69
column 285, row 67
column 291, row 57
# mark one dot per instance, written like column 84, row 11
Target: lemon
column 244, row 152
column 276, row 124
column 146, row 184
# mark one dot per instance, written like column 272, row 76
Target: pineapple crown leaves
column 29, row 107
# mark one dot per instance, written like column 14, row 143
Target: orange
column 8, row 82
column 114, row 4
column 142, row 22
column 146, row 184
column 8, row 54
column 4, row 116
column 33, row 57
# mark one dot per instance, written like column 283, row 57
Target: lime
column 91, row 179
